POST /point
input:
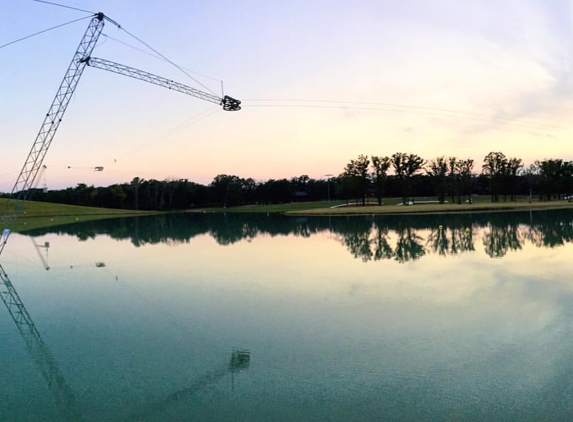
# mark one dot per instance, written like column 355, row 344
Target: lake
column 229, row 317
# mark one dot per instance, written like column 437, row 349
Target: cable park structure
column 81, row 59
column 33, row 167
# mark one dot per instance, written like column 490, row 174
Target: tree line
column 364, row 179
column 453, row 179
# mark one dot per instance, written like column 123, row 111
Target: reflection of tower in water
column 240, row 360
column 64, row 398
column 39, row 352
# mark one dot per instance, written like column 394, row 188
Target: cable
column 45, row 30
column 63, row 5
column 100, row 43
column 171, row 132
column 492, row 119
column 158, row 57
column 166, row 59
column 504, row 119
column 131, row 46
column 127, row 32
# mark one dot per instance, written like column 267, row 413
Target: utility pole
column 328, row 184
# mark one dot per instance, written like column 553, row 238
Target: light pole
column 328, row 184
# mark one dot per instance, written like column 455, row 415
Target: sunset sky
column 321, row 82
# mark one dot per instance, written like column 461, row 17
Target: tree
column 249, row 190
column 405, row 166
column 118, row 194
column 437, row 170
column 556, row 177
column 493, row 167
column 550, row 171
column 567, row 182
column 275, row 191
column 135, row 185
column 227, row 189
column 453, row 167
column 355, row 178
column 532, row 176
column 465, row 168
column 300, row 187
column 513, row 167
column 380, row 166
column 398, row 162
column 170, row 186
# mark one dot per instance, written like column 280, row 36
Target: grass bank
column 42, row 214
column 391, row 206
column 275, row 208
column 435, row 208
column 35, row 214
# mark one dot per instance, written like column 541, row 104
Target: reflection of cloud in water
column 506, row 340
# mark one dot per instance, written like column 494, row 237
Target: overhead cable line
column 131, row 35
column 132, row 46
column 156, row 56
column 65, row 6
column 171, row 132
column 43, row 31
column 165, row 58
column 487, row 119
column 434, row 109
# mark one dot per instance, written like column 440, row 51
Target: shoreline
column 421, row 209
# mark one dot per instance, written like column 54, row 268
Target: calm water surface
column 268, row 318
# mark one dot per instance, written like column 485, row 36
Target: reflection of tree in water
column 439, row 241
column 382, row 249
column 500, row 238
column 450, row 240
column 466, row 241
column 549, row 232
column 408, row 246
column 365, row 237
column 355, row 235
column 368, row 239
column 232, row 231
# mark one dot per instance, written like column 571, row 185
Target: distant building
column 300, row 196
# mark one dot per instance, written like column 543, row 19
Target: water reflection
column 409, row 246
column 434, row 338
column 499, row 238
column 63, row 396
column 401, row 238
column 39, row 351
column 450, row 240
column 239, row 361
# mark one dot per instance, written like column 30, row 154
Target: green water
column 267, row 318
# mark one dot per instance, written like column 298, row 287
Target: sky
column 321, row 82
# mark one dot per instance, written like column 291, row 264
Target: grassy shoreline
column 434, row 208
column 35, row 214
column 392, row 206
column 41, row 214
